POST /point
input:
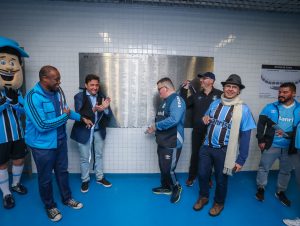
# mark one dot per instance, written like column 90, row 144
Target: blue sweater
column 41, row 119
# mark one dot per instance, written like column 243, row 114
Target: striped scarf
column 232, row 147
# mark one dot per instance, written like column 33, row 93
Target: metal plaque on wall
column 130, row 81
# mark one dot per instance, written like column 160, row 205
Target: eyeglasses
column 228, row 86
column 159, row 88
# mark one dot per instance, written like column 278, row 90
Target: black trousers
column 198, row 136
column 167, row 160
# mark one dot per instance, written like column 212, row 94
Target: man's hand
column 67, row 111
column 279, row 133
column 151, row 129
column 262, row 146
column 87, row 122
column 237, row 167
column 105, row 104
column 186, row 84
column 206, row 119
column 11, row 95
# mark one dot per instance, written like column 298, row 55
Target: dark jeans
column 208, row 158
column 47, row 160
column 167, row 160
column 198, row 136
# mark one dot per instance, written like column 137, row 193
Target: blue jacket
column 268, row 117
column 83, row 106
column 169, row 122
column 41, row 119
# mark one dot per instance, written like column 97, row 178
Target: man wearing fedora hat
column 229, row 122
column 199, row 102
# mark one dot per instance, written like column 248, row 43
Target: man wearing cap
column 12, row 146
column 199, row 102
column 229, row 123
column 274, row 129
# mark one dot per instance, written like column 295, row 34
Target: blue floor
column 130, row 202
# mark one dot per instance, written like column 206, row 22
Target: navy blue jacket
column 83, row 105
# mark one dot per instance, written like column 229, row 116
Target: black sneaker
column 260, row 194
column 85, row 186
column 19, row 188
column 175, row 197
column 73, row 204
column 53, row 214
column 282, row 198
column 162, row 191
column 8, row 201
column 104, row 182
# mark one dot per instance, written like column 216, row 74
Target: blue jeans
column 46, row 161
column 285, row 167
column 295, row 160
column 85, row 156
column 208, row 158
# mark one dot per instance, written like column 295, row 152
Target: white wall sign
column 272, row 76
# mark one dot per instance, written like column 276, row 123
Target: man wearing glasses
column 226, row 144
column 169, row 132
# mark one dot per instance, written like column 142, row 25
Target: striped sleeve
column 34, row 110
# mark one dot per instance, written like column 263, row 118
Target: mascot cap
column 11, row 43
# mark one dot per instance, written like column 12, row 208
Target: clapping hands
column 105, row 104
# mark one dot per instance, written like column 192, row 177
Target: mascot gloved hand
column 12, row 146
column 11, row 95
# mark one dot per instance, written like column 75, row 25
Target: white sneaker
column 289, row 222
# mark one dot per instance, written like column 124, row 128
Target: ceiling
column 284, row 6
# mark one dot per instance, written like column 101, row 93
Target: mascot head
column 11, row 74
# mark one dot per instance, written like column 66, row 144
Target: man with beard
column 274, row 127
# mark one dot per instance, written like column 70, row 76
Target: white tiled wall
column 240, row 42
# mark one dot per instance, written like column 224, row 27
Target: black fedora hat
column 234, row 79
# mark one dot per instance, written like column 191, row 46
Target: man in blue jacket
column 226, row 144
column 274, row 127
column 94, row 105
column 169, row 131
column 294, row 156
column 46, row 118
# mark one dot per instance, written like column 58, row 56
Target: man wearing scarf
column 226, row 144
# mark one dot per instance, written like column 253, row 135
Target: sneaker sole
column 76, row 208
column 281, row 201
column 107, row 186
column 162, row 193
column 84, row 191
column 56, row 219
column 178, row 198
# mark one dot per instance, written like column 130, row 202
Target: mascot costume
column 12, row 146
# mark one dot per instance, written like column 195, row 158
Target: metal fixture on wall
column 130, row 81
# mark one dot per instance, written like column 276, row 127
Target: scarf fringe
column 228, row 171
